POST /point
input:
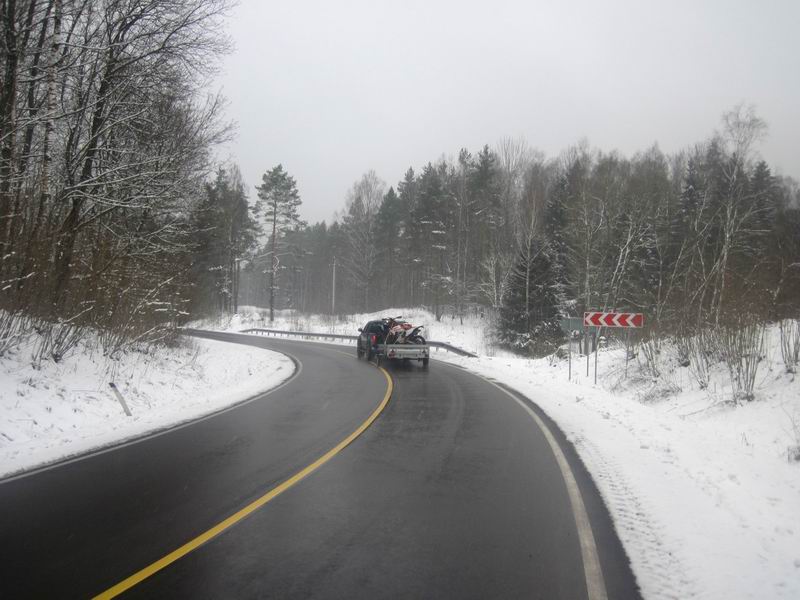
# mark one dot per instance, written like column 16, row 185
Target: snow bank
column 703, row 495
column 64, row 409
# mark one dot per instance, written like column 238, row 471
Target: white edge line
column 159, row 432
column 595, row 583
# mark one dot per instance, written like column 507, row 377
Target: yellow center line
column 201, row 539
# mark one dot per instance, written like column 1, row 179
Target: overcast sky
column 332, row 89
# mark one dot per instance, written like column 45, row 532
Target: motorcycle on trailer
column 399, row 340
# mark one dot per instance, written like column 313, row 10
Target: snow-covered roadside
column 471, row 334
column 61, row 410
column 702, row 494
column 703, row 497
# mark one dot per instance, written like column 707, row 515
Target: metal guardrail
column 279, row 332
column 340, row 336
column 452, row 349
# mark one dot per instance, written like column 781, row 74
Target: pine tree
column 278, row 205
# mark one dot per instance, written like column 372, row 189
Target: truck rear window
column 375, row 328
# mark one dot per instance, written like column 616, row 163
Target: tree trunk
column 274, row 262
column 8, row 97
column 69, row 229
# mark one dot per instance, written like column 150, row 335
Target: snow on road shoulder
column 702, row 495
column 64, row 409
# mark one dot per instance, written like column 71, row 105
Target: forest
column 115, row 215
column 701, row 239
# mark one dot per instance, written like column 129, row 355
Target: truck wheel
column 359, row 351
column 425, row 363
column 369, row 353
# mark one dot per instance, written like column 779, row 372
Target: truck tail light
column 373, row 338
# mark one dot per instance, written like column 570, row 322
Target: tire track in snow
column 662, row 576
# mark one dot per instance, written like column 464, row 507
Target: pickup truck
column 372, row 344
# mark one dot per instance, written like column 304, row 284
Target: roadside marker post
column 124, row 404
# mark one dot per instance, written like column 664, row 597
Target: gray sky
column 332, row 89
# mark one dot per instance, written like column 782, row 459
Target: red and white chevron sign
column 612, row 319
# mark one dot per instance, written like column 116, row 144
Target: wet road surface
column 453, row 492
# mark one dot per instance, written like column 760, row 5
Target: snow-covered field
column 703, row 494
column 59, row 410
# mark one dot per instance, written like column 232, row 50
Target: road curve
column 454, row 492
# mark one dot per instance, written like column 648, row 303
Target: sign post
column 596, row 351
column 571, row 326
column 627, row 350
column 588, row 350
column 598, row 320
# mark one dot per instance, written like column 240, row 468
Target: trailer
column 372, row 343
column 405, row 352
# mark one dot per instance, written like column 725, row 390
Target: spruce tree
column 225, row 232
column 431, row 220
column 408, row 192
column 528, row 319
column 390, row 227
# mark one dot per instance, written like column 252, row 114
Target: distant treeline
column 703, row 237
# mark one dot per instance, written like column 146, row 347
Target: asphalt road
column 453, row 492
